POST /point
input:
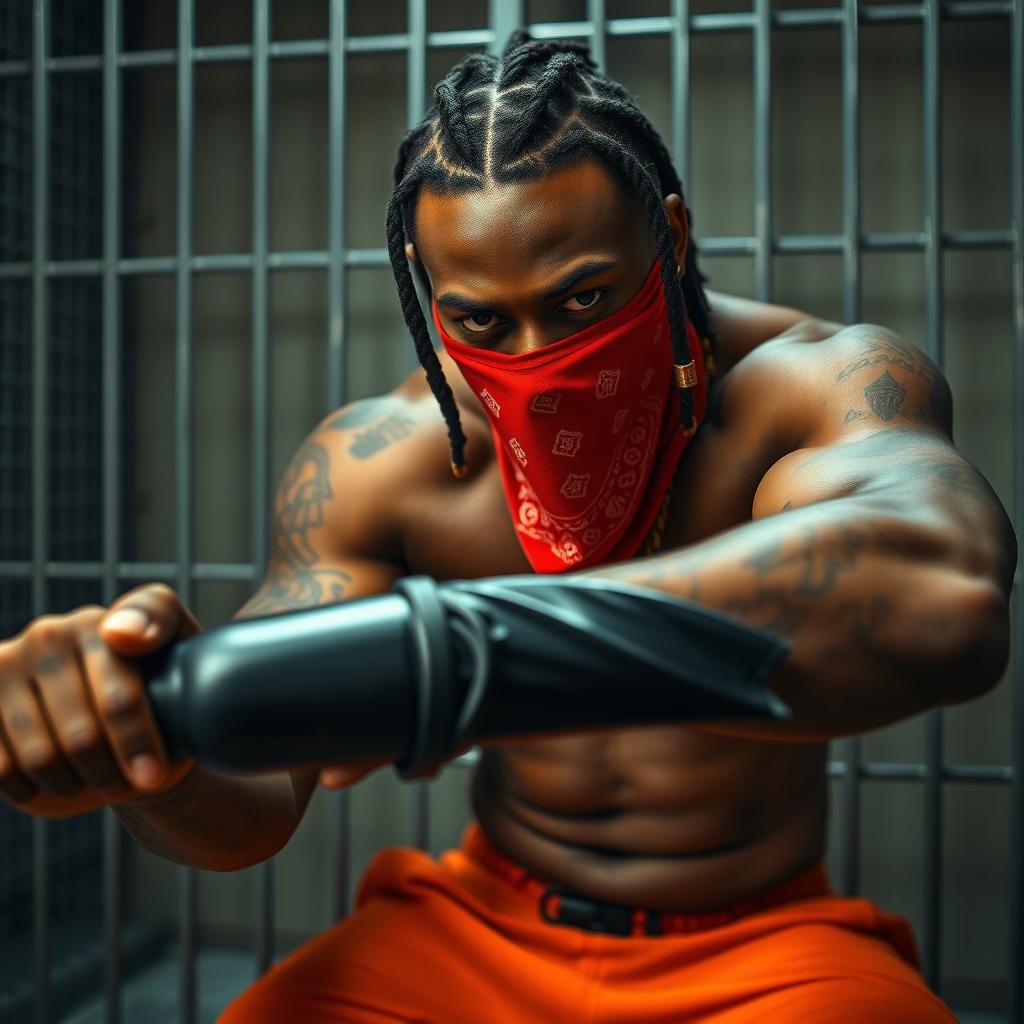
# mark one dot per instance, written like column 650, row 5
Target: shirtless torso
column 673, row 817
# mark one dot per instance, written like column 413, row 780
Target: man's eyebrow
column 576, row 275
column 559, row 288
column 461, row 302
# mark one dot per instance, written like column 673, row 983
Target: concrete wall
column 807, row 198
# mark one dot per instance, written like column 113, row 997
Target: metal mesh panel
column 73, row 848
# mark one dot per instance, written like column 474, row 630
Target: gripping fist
column 76, row 730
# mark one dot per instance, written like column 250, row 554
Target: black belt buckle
column 575, row 911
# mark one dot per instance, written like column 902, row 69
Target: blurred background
column 162, row 399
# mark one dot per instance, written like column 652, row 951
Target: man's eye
column 478, row 322
column 584, row 300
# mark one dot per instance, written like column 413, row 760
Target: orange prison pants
column 460, row 940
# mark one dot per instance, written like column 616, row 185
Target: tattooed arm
column 333, row 539
column 875, row 549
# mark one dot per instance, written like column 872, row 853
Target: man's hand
column 76, row 729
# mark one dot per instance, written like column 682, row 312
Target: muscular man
column 795, row 475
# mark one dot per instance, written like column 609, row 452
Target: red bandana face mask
column 587, row 430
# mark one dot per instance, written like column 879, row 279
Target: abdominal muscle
column 667, row 818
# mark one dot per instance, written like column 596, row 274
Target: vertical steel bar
column 763, row 148
column 851, row 164
column 599, row 37
column 341, row 846
column 932, row 879
column 336, row 281
column 112, row 832
column 416, row 81
column 680, row 58
column 183, row 434
column 419, row 816
column 336, row 336
column 851, row 313
column 40, row 461
column 260, row 386
column 504, row 17
column 1016, row 944
column 415, row 107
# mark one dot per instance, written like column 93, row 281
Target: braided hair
column 542, row 105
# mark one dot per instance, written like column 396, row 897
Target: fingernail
column 145, row 770
column 128, row 620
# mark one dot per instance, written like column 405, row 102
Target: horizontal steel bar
column 224, row 572
column 874, row 771
column 732, row 245
column 218, row 263
column 613, row 27
column 742, row 21
column 395, row 42
column 233, row 53
column 978, row 773
column 909, row 241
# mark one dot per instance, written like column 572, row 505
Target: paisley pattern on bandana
column 586, row 430
column 612, row 504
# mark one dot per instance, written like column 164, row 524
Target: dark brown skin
column 816, row 500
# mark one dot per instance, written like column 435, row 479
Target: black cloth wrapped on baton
column 417, row 674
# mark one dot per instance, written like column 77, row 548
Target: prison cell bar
column 113, row 835
column 851, row 747
column 1016, row 908
column 932, row 241
column 598, row 35
column 679, row 70
column 933, row 283
column 187, row 878
column 415, row 107
column 337, row 325
column 732, row 245
column 260, row 387
column 40, row 460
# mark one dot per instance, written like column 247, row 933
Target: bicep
column 874, row 414
column 327, row 523
column 881, row 432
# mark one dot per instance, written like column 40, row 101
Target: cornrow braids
column 541, row 106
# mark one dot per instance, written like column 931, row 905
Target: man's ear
column 675, row 210
column 410, row 251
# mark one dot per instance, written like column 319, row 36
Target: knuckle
column 50, row 661
column 81, row 737
column 163, row 590
column 119, row 700
column 37, row 756
column 48, row 629
column 88, row 613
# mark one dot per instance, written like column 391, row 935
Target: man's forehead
column 546, row 221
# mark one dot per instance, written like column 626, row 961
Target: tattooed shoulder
column 889, row 379
column 362, row 413
column 375, row 424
